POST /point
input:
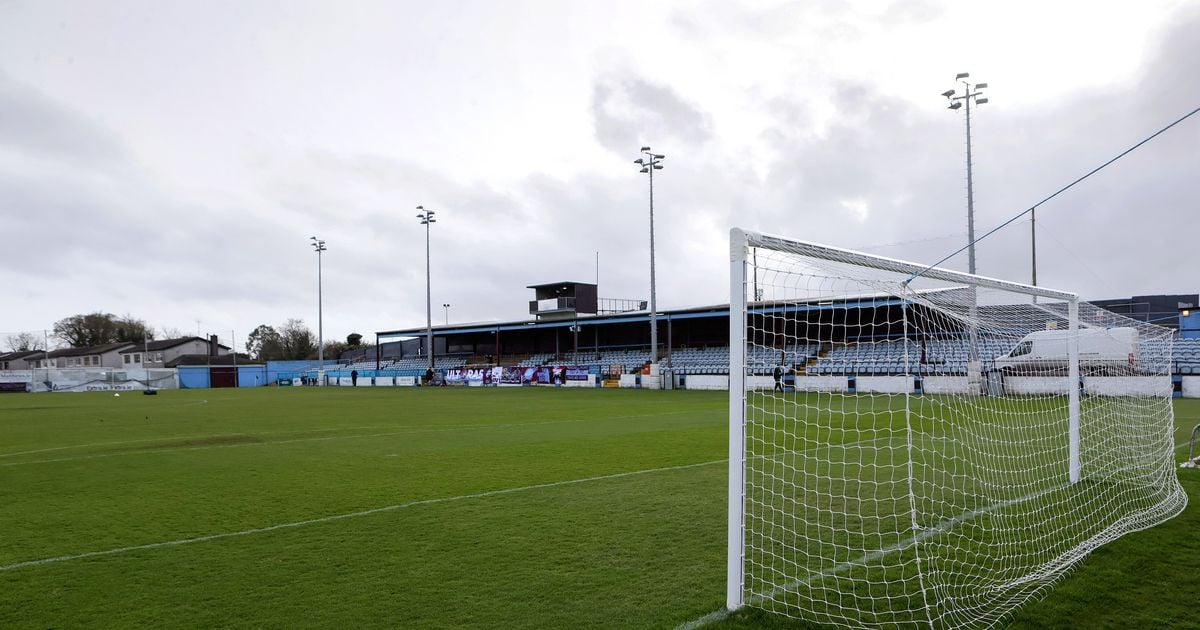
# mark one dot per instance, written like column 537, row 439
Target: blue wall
column 252, row 375
column 1189, row 325
column 193, row 377
column 292, row 369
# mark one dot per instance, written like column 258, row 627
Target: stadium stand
column 939, row 356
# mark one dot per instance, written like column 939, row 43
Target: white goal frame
column 741, row 241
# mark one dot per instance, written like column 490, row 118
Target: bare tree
column 25, row 341
column 298, row 340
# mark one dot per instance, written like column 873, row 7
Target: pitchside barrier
column 89, row 379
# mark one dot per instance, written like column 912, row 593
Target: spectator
column 354, row 378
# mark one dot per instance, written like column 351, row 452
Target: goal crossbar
column 745, row 238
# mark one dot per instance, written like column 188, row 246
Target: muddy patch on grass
column 213, row 440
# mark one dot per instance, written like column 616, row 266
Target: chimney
column 213, row 346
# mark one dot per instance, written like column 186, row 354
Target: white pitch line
column 411, row 430
column 348, row 515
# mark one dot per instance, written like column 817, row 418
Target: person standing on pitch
column 779, row 378
column 354, row 378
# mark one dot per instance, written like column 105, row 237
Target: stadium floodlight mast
column 319, row 246
column 649, row 164
column 970, row 93
column 426, row 217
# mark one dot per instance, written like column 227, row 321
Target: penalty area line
column 348, row 515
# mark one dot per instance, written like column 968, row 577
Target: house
column 103, row 356
column 19, row 360
column 163, row 353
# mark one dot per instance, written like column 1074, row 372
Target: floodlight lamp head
column 638, row 161
column 658, row 166
column 955, row 105
column 645, row 169
column 657, row 156
column 980, row 86
column 980, row 101
column 948, row 93
column 962, row 75
column 645, row 148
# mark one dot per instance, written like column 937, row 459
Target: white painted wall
column 821, row 383
column 1127, row 385
column 884, row 384
column 629, row 380
column 1036, row 385
column 757, row 382
column 946, row 385
column 708, row 381
column 1191, row 387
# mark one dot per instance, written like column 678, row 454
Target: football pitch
column 431, row 507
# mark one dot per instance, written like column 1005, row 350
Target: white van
column 1104, row 351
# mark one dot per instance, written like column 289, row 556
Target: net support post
column 1073, row 387
column 737, row 410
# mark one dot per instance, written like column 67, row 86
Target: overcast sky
column 170, row 160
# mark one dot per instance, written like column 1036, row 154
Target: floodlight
column 980, row 86
column 658, row 166
column 948, row 93
column 962, row 75
column 955, row 105
column 644, row 170
column 645, row 148
column 638, row 161
column 980, row 101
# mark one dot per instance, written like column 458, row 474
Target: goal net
column 914, row 446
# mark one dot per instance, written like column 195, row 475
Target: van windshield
column 1022, row 348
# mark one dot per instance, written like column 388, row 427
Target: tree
column 170, row 332
column 334, row 349
column 21, row 342
column 98, row 328
column 353, row 340
column 264, row 344
column 297, row 341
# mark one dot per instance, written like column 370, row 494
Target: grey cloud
column 34, row 126
column 912, row 11
column 627, row 110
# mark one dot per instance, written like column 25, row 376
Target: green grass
column 83, row 473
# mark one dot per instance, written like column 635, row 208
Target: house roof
column 89, row 350
column 204, row 359
column 19, row 354
column 165, row 344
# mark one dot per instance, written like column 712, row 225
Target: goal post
column 945, row 445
